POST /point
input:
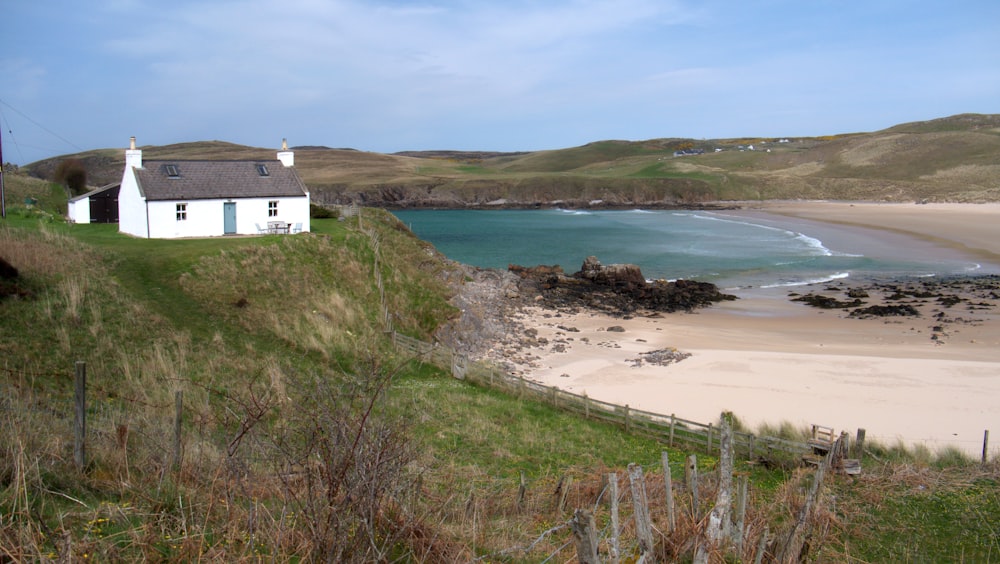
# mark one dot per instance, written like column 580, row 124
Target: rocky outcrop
column 618, row 289
column 493, row 305
column 622, row 276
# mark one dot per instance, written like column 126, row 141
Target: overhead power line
column 42, row 127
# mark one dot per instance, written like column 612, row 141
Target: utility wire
column 47, row 130
column 10, row 135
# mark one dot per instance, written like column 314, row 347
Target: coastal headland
column 915, row 361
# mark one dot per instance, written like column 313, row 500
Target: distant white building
column 166, row 199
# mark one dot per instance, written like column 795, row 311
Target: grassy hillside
column 305, row 435
column 947, row 159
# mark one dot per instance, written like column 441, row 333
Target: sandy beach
column 932, row 379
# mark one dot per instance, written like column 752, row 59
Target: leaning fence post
column 80, row 419
column 178, row 411
column 761, row 546
column 640, row 509
column 562, row 490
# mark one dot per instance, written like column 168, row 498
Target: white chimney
column 286, row 157
column 133, row 156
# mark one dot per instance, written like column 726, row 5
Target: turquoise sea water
column 732, row 249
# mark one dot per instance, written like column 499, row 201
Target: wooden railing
column 667, row 429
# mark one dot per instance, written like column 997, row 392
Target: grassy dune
column 949, row 159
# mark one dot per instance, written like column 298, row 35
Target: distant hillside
column 949, row 159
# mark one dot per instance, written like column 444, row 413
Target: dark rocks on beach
column 904, row 310
column 662, row 357
column 618, row 289
column 914, row 298
column 826, row 302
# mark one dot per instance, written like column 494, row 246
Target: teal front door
column 229, row 218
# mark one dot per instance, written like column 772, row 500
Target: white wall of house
column 79, row 210
column 131, row 207
column 205, row 218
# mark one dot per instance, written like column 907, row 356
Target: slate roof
column 199, row 180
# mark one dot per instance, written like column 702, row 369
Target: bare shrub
column 342, row 462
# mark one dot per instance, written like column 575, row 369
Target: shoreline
column 928, row 380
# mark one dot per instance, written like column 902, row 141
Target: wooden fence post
column 791, row 551
column 859, row 444
column 628, row 420
column 761, row 546
column 742, row 491
column 178, row 410
column 709, row 442
column 586, row 405
column 640, row 509
column 986, row 444
column 80, row 412
column 691, row 477
column 669, row 485
column 562, row 490
column 673, row 423
column 585, row 535
column 720, row 522
column 613, row 552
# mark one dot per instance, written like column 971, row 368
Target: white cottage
column 166, row 199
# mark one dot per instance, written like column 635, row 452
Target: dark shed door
column 104, row 206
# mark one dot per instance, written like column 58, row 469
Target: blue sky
column 389, row 75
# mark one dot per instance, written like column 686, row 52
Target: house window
column 262, row 170
column 172, row 171
column 272, row 208
column 182, row 212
